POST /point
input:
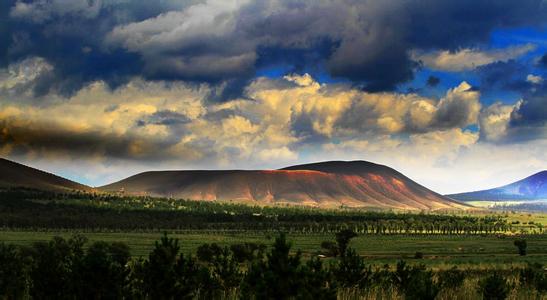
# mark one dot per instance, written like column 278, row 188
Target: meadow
column 388, row 255
column 439, row 251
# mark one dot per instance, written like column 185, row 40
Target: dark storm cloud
column 70, row 37
column 509, row 75
column 367, row 42
column 527, row 121
column 533, row 110
column 49, row 138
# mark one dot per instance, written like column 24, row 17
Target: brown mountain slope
column 13, row 174
column 328, row 184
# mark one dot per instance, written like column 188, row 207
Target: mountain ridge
column 15, row 175
column 323, row 184
column 533, row 187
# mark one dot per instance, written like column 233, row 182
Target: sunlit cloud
column 98, row 90
column 468, row 59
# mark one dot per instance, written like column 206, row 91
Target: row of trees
column 66, row 269
column 36, row 209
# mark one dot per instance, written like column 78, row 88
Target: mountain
column 530, row 188
column 326, row 184
column 13, row 174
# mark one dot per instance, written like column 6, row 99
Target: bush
column 167, row 274
column 352, row 272
column 343, row 237
column 13, row 280
column 104, row 270
column 55, row 270
column 225, row 270
column 329, row 248
column 534, row 276
column 521, row 245
column 418, row 255
column 494, row 287
column 451, row 279
column 316, row 281
column 277, row 277
column 415, row 282
column 207, row 252
column 247, row 251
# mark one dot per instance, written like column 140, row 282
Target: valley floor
column 439, row 251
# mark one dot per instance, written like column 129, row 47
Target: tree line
column 72, row 269
column 28, row 209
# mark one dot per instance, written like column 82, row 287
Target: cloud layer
column 275, row 123
column 366, row 42
column 144, row 120
column 420, row 85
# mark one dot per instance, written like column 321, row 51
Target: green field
column 139, row 222
column 439, row 251
column 420, row 247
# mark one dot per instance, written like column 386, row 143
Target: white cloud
column 459, row 108
column 494, row 121
column 535, row 79
column 43, row 10
column 21, row 76
column 154, row 125
column 180, row 41
column 468, row 59
column 148, row 120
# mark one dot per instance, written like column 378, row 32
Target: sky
column 452, row 94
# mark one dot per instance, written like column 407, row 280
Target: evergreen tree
column 352, row 272
column 13, row 269
column 55, row 268
column 277, row 277
column 416, row 282
column 168, row 275
column 104, row 271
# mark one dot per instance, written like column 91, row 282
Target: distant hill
column 326, row 184
column 529, row 188
column 13, row 175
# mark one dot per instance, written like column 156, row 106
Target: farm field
column 439, row 251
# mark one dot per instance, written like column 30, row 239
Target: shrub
column 329, row 248
column 55, row 270
column 521, row 245
column 352, row 271
column 494, row 287
column 534, row 276
column 415, row 282
column 247, row 251
column 343, row 238
column 452, row 278
column 104, row 270
column 316, row 281
column 13, row 281
column 167, row 274
column 277, row 277
column 225, row 270
column 207, row 252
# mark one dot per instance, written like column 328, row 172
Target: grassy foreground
column 438, row 251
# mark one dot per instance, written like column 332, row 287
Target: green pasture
column 438, row 251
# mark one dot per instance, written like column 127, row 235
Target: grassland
column 39, row 217
column 439, row 251
column 480, row 243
